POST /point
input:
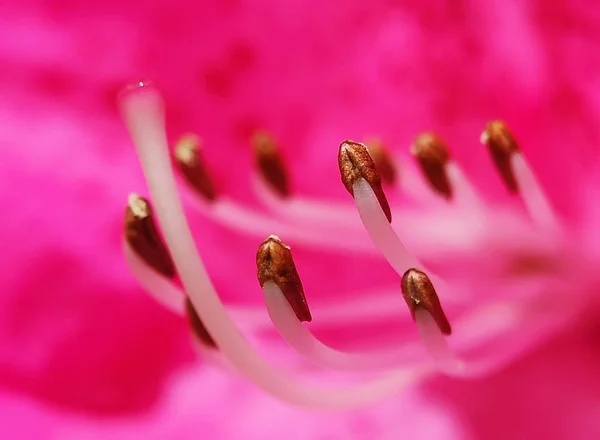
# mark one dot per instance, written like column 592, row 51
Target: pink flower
column 84, row 354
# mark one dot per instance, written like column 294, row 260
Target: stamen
column 229, row 213
column 501, row 145
column 437, row 346
column 425, row 308
column 418, row 291
column 239, row 218
column 299, row 210
column 143, row 112
column 188, row 158
column 383, row 161
column 533, row 195
column 379, row 229
column 517, row 174
column 170, row 295
column 304, row 342
column 197, row 325
column 162, row 289
column 433, row 155
column 275, row 263
column 355, row 163
column 143, row 237
column 327, row 215
column 414, row 186
column 463, row 191
column 362, row 181
column 270, row 164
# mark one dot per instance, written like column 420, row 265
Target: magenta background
column 85, row 354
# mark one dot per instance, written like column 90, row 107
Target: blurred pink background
column 85, row 354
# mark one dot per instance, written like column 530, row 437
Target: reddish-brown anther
column 383, row 161
column 143, row 236
column 418, row 291
column 270, row 164
column 432, row 154
column 356, row 163
column 275, row 263
column 197, row 325
column 501, row 145
column 189, row 160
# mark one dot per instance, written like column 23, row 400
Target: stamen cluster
column 173, row 271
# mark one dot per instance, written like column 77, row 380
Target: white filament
column 302, row 210
column 236, row 217
column 303, row 341
column 380, row 230
column 532, row 194
column 464, row 194
column 437, row 346
column 160, row 288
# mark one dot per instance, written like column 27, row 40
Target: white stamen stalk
column 246, row 221
column 143, row 113
column 168, row 294
column 328, row 217
column 382, row 234
column 380, row 230
column 304, row 342
column 437, row 346
column 532, row 194
column 517, row 174
column 163, row 290
column 415, row 187
column 301, row 210
column 464, row 194
column 211, row 354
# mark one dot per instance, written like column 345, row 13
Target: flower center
column 156, row 263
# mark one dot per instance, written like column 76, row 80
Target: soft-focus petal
column 76, row 333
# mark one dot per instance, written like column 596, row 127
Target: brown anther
column 383, row 161
column 275, row 263
column 356, row 163
column 502, row 145
column 143, row 237
column 270, row 163
column 197, row 325
column 432, row 154
column 418, row 291
column 188, row 158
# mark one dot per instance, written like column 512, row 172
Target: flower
column 69, row 292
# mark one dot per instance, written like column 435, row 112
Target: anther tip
column 356, row 163
column 188, row 157
column 430, row 142
column 498, row 132
column 270, row 163
column 501, row 145
column 275, row 240
column 418, row 291
column 135, row 88
column 143, row 237
column 348, row 169
column 432, row 155
column 187, row 144
column 197, row 325
column 138, row 206
column 345, row 145
column 275, row 263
